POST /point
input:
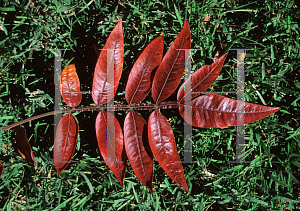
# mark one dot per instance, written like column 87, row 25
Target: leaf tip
column 151, row 191
column 186, row 23
column 58, row 169
column 120, row 22
column 224, row 56
column 185, row 187
column 33, row 163
column 96, row 49
column 121, row 182
column 149, row 185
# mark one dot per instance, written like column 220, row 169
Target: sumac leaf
column 1, row 168
column 139, row 158
column 170, row 70
column 163, row 147
column 65, row 142
column 24, row 148
column 139, row 83
column 215, row 111
column 115, row 45
column 203, row 78
column 70, row 86
column 105, row 137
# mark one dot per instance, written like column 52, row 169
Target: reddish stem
column 138, row 106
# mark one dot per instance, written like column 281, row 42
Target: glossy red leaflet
column 170, row 70
column 215, row 111
column 140, row 159
column 114, row 46
column 70, row 86
column 65, row 142
column 104, row 137
column 24, row 148
column 139, row 83
column 202, row 79
column 163, row 146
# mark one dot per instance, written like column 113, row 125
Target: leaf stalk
column 138, row 106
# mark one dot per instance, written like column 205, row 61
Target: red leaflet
column 163, row 146
column 170, row 70
column 215, row 111
column 139, row 84
column 111, row 139
column 202, row 79
column 140, row 160
column 70, row 86
column 65, row 142
column 1, row 168
column 23, row 145
column 114, row 47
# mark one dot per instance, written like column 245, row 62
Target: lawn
column 30, row 31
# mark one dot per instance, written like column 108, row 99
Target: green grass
column 29, row 31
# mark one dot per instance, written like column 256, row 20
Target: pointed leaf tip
column 96, row 49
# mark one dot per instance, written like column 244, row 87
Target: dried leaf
column 242, row 56
column 207, row 18
column 24, row 148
